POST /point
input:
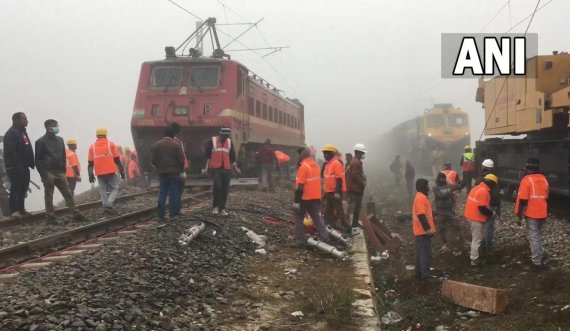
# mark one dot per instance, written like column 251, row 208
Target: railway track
column 40, row 215
column 35, row 250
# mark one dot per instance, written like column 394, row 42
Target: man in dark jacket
column 409, row 176
column 18, row 158
column 396, row 168
column 445, row 207
column 51, row 164
column 168, row 159
column 267, row 161
column 356, row 182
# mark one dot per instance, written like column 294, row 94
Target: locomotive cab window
column 435, row 121
column 457, row 120
column 166, row 76
column 204, row 77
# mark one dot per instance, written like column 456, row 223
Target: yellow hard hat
column 126, row 149
column 467, row 147
column 308, row 222
column 101, row 132
column 330, row 148
column 72, row 141
column 492, row 178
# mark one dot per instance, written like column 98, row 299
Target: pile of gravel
column 26, row 232
column 148, row 281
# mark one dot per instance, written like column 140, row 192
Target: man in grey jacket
column 50, row 161
column 445, row 207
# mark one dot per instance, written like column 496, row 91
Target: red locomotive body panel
column 204, row 94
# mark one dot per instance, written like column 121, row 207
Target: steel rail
column 38, row 216
column 32, row 249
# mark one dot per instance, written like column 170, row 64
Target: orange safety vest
column 333, row 171
column 421, row 206
column 220, row 157
column 71, row 161
column 479, row 196
column 133, row 169
column 309, row 175
column 103, row 153
column 534, row 188
column 282, row 157
column 451, row 176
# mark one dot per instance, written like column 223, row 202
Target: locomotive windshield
column 435, row 121
column 204, row 77
column 166, row 76
column 457, row 119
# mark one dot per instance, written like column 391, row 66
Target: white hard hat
column 488, row 163
column 360, row 147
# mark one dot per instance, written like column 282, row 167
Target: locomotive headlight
column 180, row 111
column 429, row 134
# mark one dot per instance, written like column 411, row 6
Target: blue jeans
column 535, row 228
column 489, row 233
column 356, row 202
column 423, row 257
column 169, row 186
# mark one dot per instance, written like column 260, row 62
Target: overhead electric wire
column 184, row 9
column 452, row 62
column 529, row 16
column 255, row 52
column 496, row 14
column 510, row 15
column 420, row 97
column 506, row 79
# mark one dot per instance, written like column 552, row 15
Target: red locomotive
column 203, row 94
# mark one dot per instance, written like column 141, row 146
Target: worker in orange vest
column 468, row 166
column 423, row 227
column 133, row 170
column 308, row 197
column 105, row 162
column 335, row 186
column 73, row 167
column 450, row 175
column 488, row 167
column 477, row 211
column 221, row 158
column 283, row 164
column 532, row 204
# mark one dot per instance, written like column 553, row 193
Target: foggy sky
column 360, row 67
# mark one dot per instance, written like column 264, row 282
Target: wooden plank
column 371, row 234
column 383, row 227
column 384, row 235
column 487, row 299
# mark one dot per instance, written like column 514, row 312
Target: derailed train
column 429, row 140
column 203, row 94
column 536, row 104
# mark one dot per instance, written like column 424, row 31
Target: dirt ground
column 537, row 301
column 293, row 280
